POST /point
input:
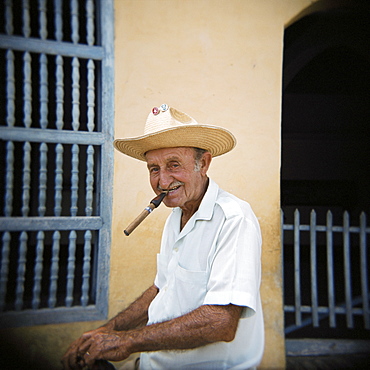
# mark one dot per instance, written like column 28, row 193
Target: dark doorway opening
column 325, row 138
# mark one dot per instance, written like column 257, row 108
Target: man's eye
column 174, row 165
column 153, row 170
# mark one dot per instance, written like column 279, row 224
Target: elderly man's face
column 175, row 169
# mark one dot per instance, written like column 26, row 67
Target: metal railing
column 325, row 270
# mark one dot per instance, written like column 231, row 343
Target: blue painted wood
column 42, row 20
column 71, row 268
column 26, row 18
column 9, row 178
column 106, row 100
column 55, row 315
column 74, row 21
column 74, row 179
column 50, row 223
column 42, row 179
column 66, row 49
column 43, row 91
column 86, row 269
column 10, row 89
column 26, row 179
column 21, row 271
column 75, row 94
column 38, row 270
column 9, row 17
column 4, row 269
column 90, row 95
column 27, row 90
column 58, row 20
column 59, row 93
column 90, row 22
column 54, row 269
column 51, row 136
column 89, row 180
column 58, row 179
column 94, row 145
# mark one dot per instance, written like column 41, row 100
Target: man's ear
column 205, row 162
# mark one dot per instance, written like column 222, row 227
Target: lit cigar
column 154, row 203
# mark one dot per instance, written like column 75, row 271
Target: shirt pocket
column 190, row 288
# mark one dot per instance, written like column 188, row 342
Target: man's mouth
column 173, row 189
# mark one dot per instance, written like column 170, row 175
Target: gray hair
column 198, row 155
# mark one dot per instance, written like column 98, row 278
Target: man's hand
column 98, row 344
column 105, row 345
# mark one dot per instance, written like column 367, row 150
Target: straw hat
column 166, row 127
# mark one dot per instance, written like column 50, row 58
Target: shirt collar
column 205, row 210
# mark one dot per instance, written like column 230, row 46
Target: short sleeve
column 236, row 266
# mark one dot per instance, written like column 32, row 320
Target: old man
column 203, row 310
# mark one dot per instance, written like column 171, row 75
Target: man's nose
column 165, row 179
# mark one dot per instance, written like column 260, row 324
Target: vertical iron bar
column 26, row 18
column 75, row 94
column 74, row 180
column 89, row 180
column 74, row 21
column 26, row 179
column 38, row 270
column 42, row 179
column 90, row 95
column 86, row 269
column 364, row 270
column 4, row 270
column 58, row 20
column 54, row 269
column 297, row 278
column 90, row 22
column 59, row 74
column 10, row 89
column 43, row 91
column 9, row 17
column 71, row 268
column 21, row 271
column 27, row 90
column 9, row 178
column 330, row 268
column 43, row 32
column 10, row 121
column 314, row 299
column 347, row 269
column 58, row 180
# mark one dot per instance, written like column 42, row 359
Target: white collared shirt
column 214, row 259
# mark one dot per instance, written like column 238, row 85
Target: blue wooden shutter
column 56, row 131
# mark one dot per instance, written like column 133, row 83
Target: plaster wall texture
column 221, row 63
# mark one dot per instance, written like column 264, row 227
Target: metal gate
column 326, row 282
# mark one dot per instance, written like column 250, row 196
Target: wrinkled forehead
column 165, row 154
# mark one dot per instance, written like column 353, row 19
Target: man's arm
column 135, row 316
column 207, row 324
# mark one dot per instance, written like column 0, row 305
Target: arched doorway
column 326, row 167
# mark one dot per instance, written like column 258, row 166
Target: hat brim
column 215, row 140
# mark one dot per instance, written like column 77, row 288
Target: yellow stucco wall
column 220, row 62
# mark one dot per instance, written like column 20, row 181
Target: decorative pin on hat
column 166, row 127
